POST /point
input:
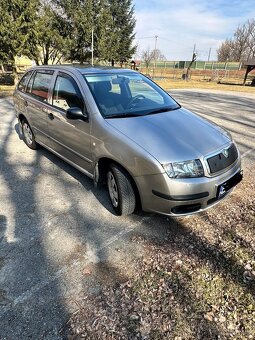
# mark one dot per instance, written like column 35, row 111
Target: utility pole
column 92, row 47
column 209, row 54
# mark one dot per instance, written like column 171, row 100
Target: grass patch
column 6, row 90
column 169, row 85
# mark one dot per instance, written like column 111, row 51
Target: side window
column 66, row 93
column 24, row 80
column 41, row 84
column 30, row 83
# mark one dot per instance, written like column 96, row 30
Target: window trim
column 36, row 71
column 60, row 73
column 24, row 75
column 31, row 78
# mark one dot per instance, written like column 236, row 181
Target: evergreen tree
column 123, row 30
column 52, row 36
column 45, row 30
column 79, row 15
column 105, row 37
column 17, row 28
column 113, row 25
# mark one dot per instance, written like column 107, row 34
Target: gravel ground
column 60, row 242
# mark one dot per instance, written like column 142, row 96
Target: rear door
column 69, row 138
column 37, row 104
column 20, row 98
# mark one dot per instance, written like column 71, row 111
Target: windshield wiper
column 141, row 114
column 122, row 115
column 163, row 109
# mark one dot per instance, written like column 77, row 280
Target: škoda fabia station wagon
column 118, row 127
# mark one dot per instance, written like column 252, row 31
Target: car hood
column 174, row 135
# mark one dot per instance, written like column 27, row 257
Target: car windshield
column 128, row 95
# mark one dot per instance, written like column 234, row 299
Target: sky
column 181, row 24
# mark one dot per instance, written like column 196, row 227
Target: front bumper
column 167, row 196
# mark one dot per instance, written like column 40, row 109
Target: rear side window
column 66, row 93
column 41, row 84
column 30, row 83
column 24, row 80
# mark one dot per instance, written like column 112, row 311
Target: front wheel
column 28, row 135
column 121, row 190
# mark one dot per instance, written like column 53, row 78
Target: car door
column 70, row 138
column 20, row 98
column 37, row 104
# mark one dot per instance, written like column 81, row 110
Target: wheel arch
column 21, row 118
column 101, row 168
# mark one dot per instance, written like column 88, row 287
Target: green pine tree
column 46, row 30
column 52, row 36
column 18, row 35
column 123, row 29
column 113, row 25
column 79, row 15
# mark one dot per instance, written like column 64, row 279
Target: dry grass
column 169, row 84
column 197, row 282
column 6, row 90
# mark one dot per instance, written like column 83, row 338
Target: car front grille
column 222, row 160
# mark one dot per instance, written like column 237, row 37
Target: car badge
column 225, row 153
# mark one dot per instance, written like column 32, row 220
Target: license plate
column 229, row 184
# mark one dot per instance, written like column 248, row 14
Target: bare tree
column 225, row 51
column 158, row 55
column 147, row 56
column 241, row 39
column 251, row 40
column 241, row 46
column 194, row 58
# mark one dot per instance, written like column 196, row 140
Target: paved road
column 235, row 112
column 53, row 222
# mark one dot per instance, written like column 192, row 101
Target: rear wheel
column 28, row 135
column 121, row 190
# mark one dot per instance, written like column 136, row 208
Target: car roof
column 85, row 69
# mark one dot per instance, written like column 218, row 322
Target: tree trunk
column 194, row 57
column 46, row 56
column 14, row 70
column 15, row 75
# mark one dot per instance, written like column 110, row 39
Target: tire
column 28, row 135
column 121, row 190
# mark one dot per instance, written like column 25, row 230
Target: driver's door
column 69, row 138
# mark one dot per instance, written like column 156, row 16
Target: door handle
column 51, row 116
column 25, row 103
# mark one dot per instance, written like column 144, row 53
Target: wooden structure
column 250, row 64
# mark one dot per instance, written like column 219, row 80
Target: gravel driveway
column 54, row 224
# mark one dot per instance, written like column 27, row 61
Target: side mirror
column 76, row 113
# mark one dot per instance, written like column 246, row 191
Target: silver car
column 118, row 127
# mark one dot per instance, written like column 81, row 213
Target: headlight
column 184, row 169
